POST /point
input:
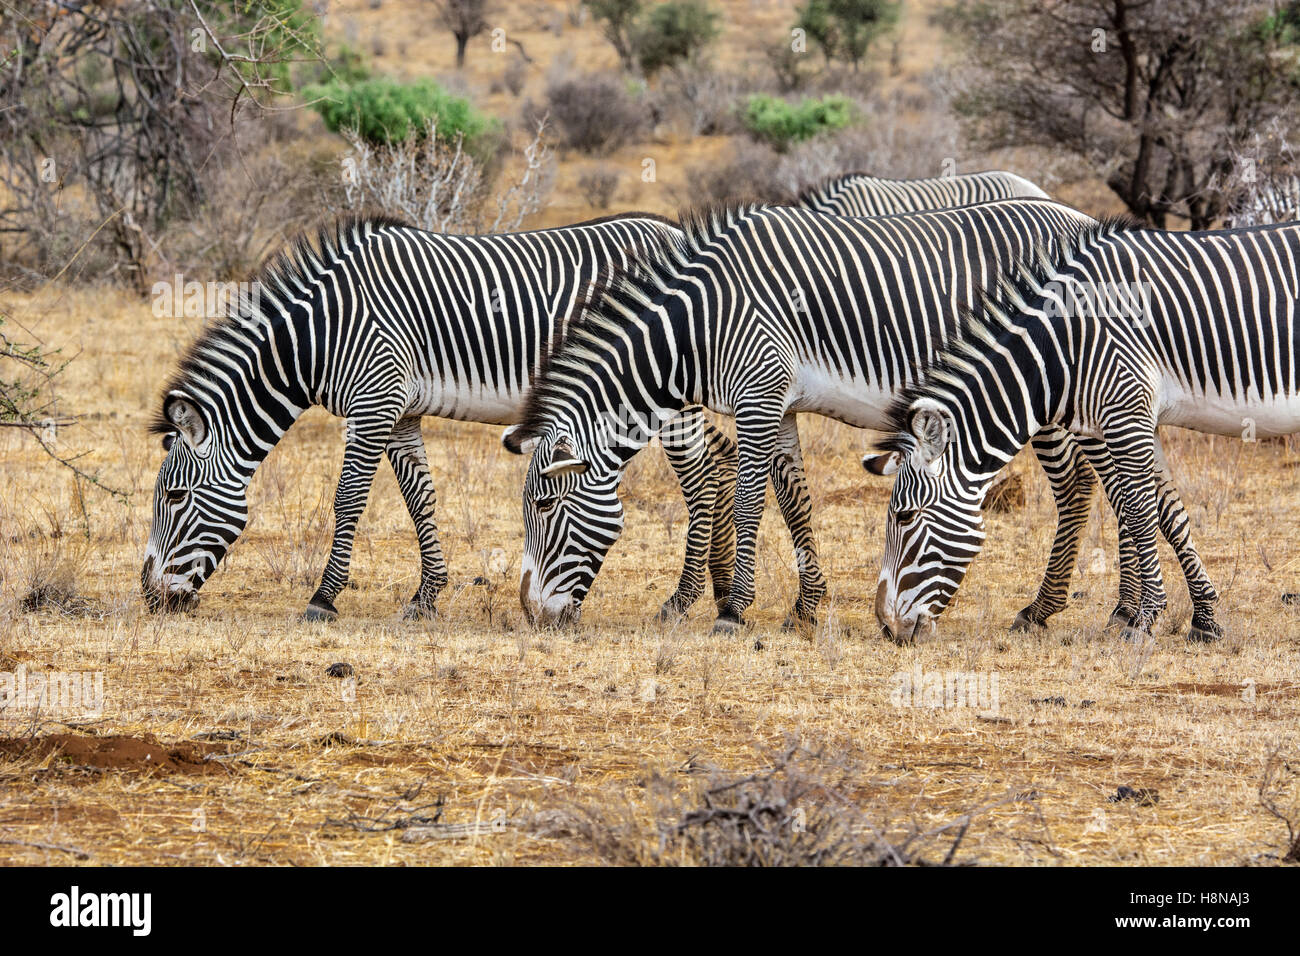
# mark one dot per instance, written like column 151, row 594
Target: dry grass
column 490, row 727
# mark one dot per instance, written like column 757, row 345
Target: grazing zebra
column 763, row 312
column 1123, row 330
column 1274, row 201
column 383, row 323
column 857, row 194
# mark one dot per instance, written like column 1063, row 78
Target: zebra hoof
column 670, row 613
column 1120, row 619
column 1134, row 635
column 1024, row 624
column 1205, row 635
column 319, row 613
column 419, row 612
column 728, row 624
column 797, row 622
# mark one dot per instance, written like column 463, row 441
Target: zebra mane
column 978, row 326
column 820, row 188
column 617, row 295
column 289, row 269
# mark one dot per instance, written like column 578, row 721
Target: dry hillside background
column 474, row 739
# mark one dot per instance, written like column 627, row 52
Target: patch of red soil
column 116, row 753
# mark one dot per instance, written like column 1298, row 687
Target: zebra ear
column 516, row 442
column 932, row 427
column 887, row 464
column 184, row 413
column 564, row 461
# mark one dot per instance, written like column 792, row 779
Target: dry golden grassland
column 475, row 719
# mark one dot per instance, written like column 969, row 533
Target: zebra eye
column 175, row 495
column 545, row 504
column 906, row 517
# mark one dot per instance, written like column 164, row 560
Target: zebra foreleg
column 366, row 439
column 722, row 550
column 687, row 449
column 1073, row 482
column 756, row 429
column 790, row 484
column 410, row 463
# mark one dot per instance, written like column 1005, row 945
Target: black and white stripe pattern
column 857, row 194
column 383, row 323
column 1124, row 330
column 762, row 312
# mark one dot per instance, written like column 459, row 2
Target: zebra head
column 572, row 517
column 199, row 507
column 935, row 525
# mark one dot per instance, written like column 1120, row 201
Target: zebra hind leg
column 791, row 488
column 410, row 463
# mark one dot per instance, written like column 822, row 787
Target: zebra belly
column 842, row 397
column 1229, row 415
column 466, row 402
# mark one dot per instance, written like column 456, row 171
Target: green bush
column 673, row 33
column 781, row 124
column 384, row 111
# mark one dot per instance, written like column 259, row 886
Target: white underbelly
column 841, row 397
column 467, row 403
column 1229, row 415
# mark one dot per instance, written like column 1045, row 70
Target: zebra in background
column 383, row 323
column 857, row 194
column 1206, row 338
column 1276, row 200
column 762, row 312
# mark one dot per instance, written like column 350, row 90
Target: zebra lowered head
column 572, row 517
column 199, row 506
column 936, row 522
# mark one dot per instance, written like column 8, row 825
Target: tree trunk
column 462, row 40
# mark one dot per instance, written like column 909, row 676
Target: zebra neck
column 254, row 393
column 1001, row 395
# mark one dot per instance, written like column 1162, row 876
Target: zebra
column 762, row 312
column 1275, row 200
column 1122, row 330
column 857, row 194
column 383, row 323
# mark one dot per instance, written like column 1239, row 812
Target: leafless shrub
column 597, row 186
column 1279, row 795
column 799, row 812
column 440, row 187
column 47, row 565
column 703, row 99
column 593, row 113
column 91, row 106
column 516, row 75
